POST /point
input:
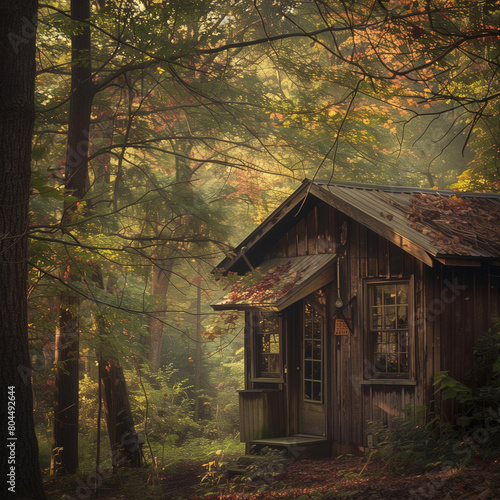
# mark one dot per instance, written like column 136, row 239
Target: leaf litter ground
column 329, row 478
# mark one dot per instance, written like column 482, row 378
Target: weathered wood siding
column 311, row 234
column 452, row 305
column 262, row 414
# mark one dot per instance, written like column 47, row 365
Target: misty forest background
column 164, row 132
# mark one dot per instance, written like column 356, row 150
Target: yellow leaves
column 388, row 124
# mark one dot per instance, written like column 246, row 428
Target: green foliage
column 479, row 416
column 416, row 441
column 451, row 388
column 214, row 480
column 258, row 475
column 169, row 408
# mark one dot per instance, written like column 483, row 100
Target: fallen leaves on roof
column 457, row 224
column 260, row 287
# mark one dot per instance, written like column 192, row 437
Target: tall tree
column 19, row 457
column 65, row 425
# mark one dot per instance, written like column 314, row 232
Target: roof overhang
column 278, row 283
column 365, row 217
column 291, row 206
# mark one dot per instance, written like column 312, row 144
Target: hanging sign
column 341, row 327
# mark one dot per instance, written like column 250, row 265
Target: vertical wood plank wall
column 261, row 414
column 454, row 305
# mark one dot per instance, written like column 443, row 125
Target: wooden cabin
column 355, row 296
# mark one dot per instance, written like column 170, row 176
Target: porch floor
column 294, row 447
column 296, row 440
column 291, row 448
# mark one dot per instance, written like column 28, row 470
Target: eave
column 279, row 283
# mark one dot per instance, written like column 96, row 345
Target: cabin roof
column 278, row 283
column 452, row 227
column 445, row 224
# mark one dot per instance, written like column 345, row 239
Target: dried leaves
column 458, row 225
column 272, row 285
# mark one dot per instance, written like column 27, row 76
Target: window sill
column 269, row 380
column 246, row 391
column 388, row 381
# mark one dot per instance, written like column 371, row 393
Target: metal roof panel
column 458, row 230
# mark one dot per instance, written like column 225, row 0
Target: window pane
column 316, row 370
column 377, row 317
column 274, row 363
column 389, row 294
column 380, row 362
column 274, row 344
column 402, row 317
column 308, row 318
column 316, row 396
column 308, row 349
column 317, row 327
column 317, row 349
column 308, row 370
column 307, row 390
column 267, row 343
column 403, row 341
column 403, row 363
column 264, row 363
column 392, row 363
column 390, row 317
column 402, row 294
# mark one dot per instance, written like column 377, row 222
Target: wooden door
column 312, row 382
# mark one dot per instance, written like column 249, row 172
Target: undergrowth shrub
column 169, row 408
column 416, row 441
column 420, row 440
column 478, row 398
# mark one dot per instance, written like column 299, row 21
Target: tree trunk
column 19, row 466
column 161, row 280
column 64, row 457
column 197, row 356
column 65, row 427
column 122, row 436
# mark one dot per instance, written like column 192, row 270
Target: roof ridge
column 404, row 189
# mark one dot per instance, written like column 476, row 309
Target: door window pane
column 313, row 352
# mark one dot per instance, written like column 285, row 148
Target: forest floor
column 329, row 478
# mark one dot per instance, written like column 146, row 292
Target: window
column 313, row 354
column 388, row 332
column 267, row 345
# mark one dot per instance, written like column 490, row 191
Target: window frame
column 255, row 373
column 320, row 311
column 369, row 368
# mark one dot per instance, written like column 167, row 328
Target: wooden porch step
column 295, row 447
column 286, row 449
column 256, row 465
